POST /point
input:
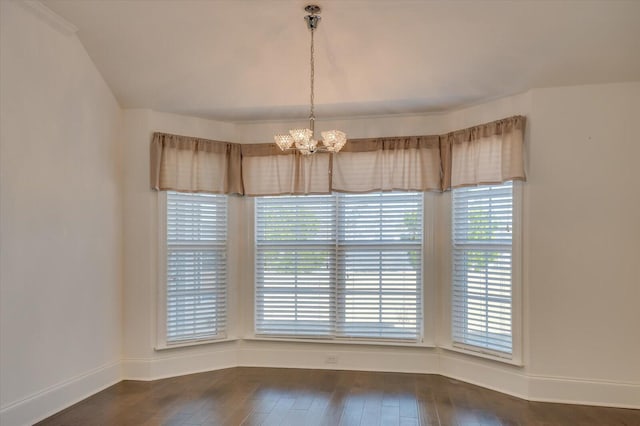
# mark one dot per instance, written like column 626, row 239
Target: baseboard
column 338, row 357
column 485, row 373
column 564, row 390
column 178, row 364
column 49, row 401
column 585, row 392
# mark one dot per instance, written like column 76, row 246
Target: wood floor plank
column 254, row 419
column 408, row 406
column 296, row 397
column 389, row 415
column 372, row 410
column 353, row 407
column 280, row 411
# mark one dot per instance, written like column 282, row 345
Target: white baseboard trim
column 136, row 369
column 52, row 399
column 563, row 390
column 584, row 392
column 485, row 373
column 181, row 364
column 314, row 356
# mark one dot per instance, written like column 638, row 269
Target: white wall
column 575, row 350
column 140, row 360
column 60, row 220
column 584, row 233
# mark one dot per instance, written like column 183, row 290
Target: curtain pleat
column 485, row 154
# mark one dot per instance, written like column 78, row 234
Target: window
column 194, row 297
column 339, row 266
column 482, row 275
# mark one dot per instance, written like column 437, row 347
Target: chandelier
column 303, row 139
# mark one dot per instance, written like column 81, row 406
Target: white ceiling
column 248, row 60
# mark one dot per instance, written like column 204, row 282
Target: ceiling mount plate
column 312, row 9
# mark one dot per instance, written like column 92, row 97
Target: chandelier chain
column 312, row 79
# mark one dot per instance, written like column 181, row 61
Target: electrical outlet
column 331, row 359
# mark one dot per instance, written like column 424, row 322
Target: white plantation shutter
column 482, row 227
column 345, row 265
column 379, row 265
column 196, row 266
column 295, row 265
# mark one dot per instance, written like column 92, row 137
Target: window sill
column 194, row 343
column 408, row 344
column 483, row 355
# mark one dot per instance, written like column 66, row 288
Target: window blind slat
column 196, row 266
column 482, row 224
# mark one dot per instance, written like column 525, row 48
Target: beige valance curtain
column 266, row 170
column 186, row 164
column 386, row 164
column 489, row 153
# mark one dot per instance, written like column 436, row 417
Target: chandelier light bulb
column 301, row 135
column 334, row 140
column 284, row 142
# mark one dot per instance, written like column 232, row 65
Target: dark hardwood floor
column 270, row 396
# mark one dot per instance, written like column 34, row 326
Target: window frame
column 446, row 337
column 162, row 342
column 426, row 321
